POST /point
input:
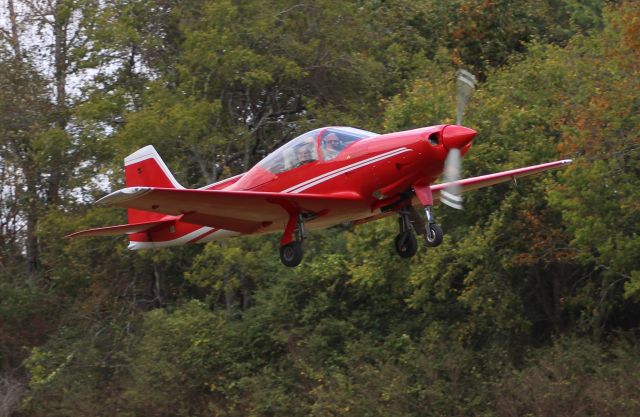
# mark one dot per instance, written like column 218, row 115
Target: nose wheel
column 433, row 234
column 405, row 243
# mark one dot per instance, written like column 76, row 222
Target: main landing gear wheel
column 294, row 234
column 406, row 244
column 433, row 235
column 291, row 254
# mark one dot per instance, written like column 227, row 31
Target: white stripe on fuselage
column 332, row 174
column 177, row 241
column 182, row 240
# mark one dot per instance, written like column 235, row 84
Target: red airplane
column 322, row 178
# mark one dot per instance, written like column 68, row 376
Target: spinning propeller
column 456, row 137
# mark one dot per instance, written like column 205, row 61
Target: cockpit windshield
column 334, row 140
column 292, row 154
column 304, row 148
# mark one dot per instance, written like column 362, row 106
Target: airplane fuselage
column 378, row 169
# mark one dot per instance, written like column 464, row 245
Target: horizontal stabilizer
column 120, row 229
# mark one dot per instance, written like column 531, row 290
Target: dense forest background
column 530, row 307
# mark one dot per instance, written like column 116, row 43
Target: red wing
column 240, row 211
column 473, row 183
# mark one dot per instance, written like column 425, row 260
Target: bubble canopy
column 320, row 144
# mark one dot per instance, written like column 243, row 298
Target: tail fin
column 145, row 168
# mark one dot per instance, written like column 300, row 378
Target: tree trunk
column 32, row 238
column 155, row 287
column 60, row 49
column 14, row 40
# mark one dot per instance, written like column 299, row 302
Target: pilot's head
column 303, row 151
column 332, row 141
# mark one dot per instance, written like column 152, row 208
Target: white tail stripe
column 332, row 174
column 149, row 152
column 178, row 241
column 218, row 234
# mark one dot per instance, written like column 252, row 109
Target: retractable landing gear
column 433, row 235
column 291, row 253
column 405, row 242
column 291, row 242
column 431, row 230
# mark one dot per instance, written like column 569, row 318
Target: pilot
column 332, row 146
column 303, row 154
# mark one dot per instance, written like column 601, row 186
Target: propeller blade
column 451, row 195
column 465, row 86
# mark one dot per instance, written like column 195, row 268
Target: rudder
column 145, row 168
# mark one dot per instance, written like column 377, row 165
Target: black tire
column 433, row 235
column 291, row 254
column 406, row 244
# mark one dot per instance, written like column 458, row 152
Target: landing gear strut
column 432, row 231
column 291, row 242
column 405, row 242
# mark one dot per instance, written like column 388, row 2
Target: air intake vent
column 433, row 139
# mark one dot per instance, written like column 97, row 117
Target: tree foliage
column 530, row 307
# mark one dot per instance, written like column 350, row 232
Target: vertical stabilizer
column 145, row 168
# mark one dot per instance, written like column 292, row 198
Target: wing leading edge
column 473, row 183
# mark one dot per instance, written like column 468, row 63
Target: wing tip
column 85, row 233
column 123, row 195
column 73, row 235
